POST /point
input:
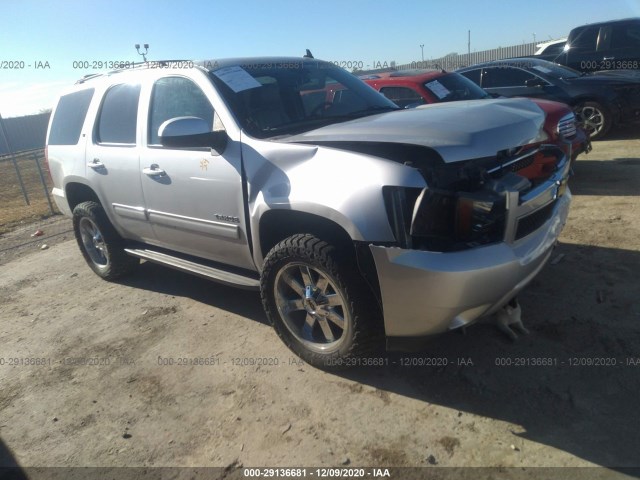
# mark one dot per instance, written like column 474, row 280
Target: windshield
column 555, row 70
column 453, row 86
column 271, row 99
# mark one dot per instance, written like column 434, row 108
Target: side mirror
column 534, row 82
column 191, row 132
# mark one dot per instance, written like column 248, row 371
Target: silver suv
column 356, row 220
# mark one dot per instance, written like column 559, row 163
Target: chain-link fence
column 25, row 187
column 29, row 217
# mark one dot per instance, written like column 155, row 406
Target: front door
column 194, row 197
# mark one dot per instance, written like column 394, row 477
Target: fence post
column 13, row 159
column 44, row 183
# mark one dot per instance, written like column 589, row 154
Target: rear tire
column 595, row 119
column 319, row 304
column 100, row 244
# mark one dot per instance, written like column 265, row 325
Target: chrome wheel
column 594, row 118
column 313, row 309
column 93, row 242
column 101, row 246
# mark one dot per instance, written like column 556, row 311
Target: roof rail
column 134, row 66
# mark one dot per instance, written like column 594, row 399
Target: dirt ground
column 564, row 396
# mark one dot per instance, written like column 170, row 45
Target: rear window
column 69, row 117
column 118, row 115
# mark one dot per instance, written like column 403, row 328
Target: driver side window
column 176, row 97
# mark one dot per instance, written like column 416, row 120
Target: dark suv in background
column 612, row 45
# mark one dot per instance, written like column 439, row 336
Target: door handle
column 95, row 164
column 608, row 58
column 154, row 171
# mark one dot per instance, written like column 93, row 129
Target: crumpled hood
column 456, row 130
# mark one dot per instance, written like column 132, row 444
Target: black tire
column 308, row 288
column 100, row 244
column 595, row 118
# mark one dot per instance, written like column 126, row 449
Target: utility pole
column 469, row 42
column 422, row 48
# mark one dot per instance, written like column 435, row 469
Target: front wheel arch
column 101, row 246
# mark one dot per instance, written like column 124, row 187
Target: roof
column 608, row 22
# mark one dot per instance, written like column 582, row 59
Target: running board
column 210, row 273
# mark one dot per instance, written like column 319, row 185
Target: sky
column 52, row 42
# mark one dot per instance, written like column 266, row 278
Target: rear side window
column 505, row 77
column 69, row 117
column 118, row 115
column 473, row 75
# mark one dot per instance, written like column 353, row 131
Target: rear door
column 194, row 197
column 113, row 161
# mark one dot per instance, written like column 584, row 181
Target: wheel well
column 579, row 100
column 276, row 225
column 77, row 193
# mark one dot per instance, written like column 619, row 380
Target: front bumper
column 425, row 293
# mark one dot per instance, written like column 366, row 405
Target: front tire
column 100, row 244
column 319, row 304
column 595, row 118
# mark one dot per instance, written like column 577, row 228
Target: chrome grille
column 567, row 125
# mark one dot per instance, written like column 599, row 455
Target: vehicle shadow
column 572, row 383
column 619, row 177
column 165, row 280
column 624, row 132
column 9, row 467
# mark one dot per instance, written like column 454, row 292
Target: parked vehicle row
column 600, row 100
column 357, row 220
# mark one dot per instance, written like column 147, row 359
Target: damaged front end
column 471, row 239
column 478, row 202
